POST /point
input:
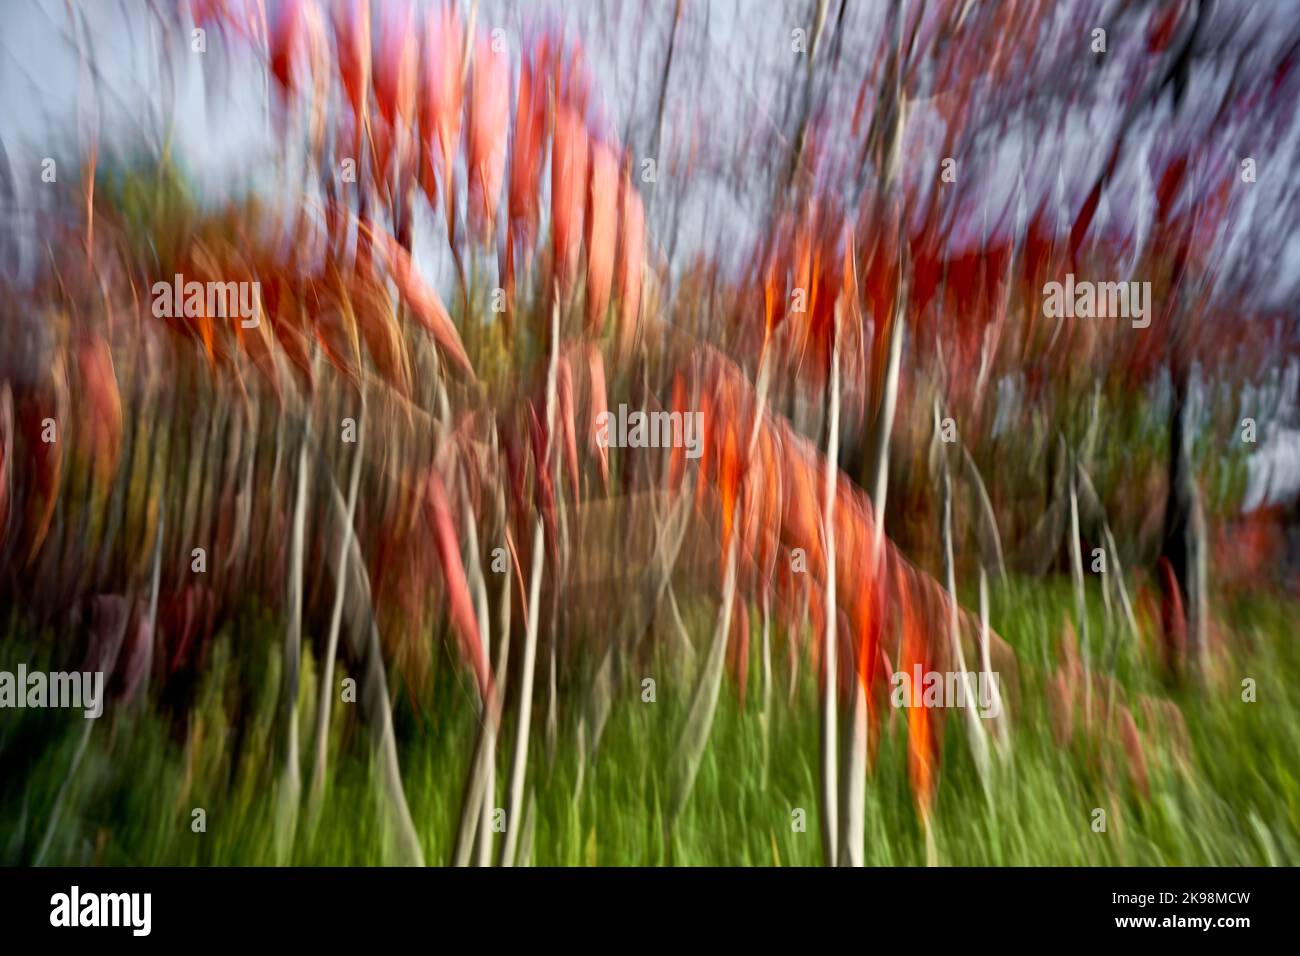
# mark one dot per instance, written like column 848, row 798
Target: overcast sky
column 732, row 72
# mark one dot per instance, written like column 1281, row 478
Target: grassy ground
column 1235, row 800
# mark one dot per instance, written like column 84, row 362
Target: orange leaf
column 568, row 193
column 352, row 43
column 438, row 514
column 395, row 66
column 527, row 148
column 426, row 308
column 440, row 98
column 602, row 233
column 914, row 655
column 489, row 120
column 631, row 250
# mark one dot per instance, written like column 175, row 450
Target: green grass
column 1236, row 801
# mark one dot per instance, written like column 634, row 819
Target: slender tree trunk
column 853, row 817
column 657, row 143
column 336, row 618
column 805, row 114
column 374, row 686
column 486, row 715
column 978, row 739
column 830, row 753
column 381, row 718
column 765, row 719
column 475, row 830
column 291, row 781
column 704, row 702
column 519, row 763
column 699, row 721
column 994, row 537
column 1081, row 606
column 1184, row 528
column 484, row 853
column 1116, row 566
column 474, row 833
